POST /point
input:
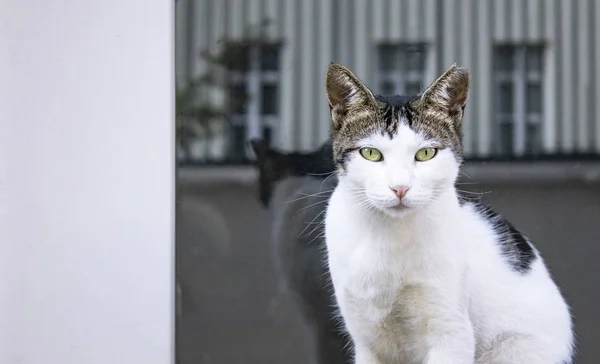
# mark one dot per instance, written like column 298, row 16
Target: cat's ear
column 260, row 147
column 346, row 93
column 449, row 92
column 266, row 174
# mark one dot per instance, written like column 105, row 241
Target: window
column 518, row 77
column 401, row 69
column 254, row 96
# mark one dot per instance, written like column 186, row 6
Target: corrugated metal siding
column 567, row 119
column 582, row 33
column 316, row 32
column 595, row 44
column 289, row 66
column 326, row 49
column 551, row 80
column 482, row 81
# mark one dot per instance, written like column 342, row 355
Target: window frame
column 254, row 78
column 401, row 75
column 520, row 77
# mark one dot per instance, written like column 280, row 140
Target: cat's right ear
column 260, row 147
column 346, row 93
column 266, row 175
column 449, row 92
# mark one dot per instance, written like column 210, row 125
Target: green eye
column 371, row 154
column 425, row 154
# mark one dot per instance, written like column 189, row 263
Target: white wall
column 86, row 182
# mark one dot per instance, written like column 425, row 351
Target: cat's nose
column 400, row 191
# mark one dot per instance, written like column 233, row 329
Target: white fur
column 427, row 283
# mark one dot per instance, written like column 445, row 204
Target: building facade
column 535, row 67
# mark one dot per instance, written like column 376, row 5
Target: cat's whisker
column 317, row 194
column 365, row 206
column 315, row 228
column 319, row 174
column 360, row 198
column 313, row 223
column 314, row 204
column 364, row 209
column 314, row 194
column 318, row 236
column 464, row 174
column 480, row 194
column 358, row 194
column 325, row 180
column 313, row 220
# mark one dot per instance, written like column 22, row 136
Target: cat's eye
column 371, row 154
column 425, row 154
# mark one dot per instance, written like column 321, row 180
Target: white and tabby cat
column 421, row 274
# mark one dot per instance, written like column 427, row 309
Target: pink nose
column 400, row 191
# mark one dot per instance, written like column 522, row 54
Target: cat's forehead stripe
column 403, row 117
column 392, row 116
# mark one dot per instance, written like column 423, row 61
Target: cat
column 296, row 186
column 274, row 165
column 421, row 274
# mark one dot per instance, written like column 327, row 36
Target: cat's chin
column 396, row 211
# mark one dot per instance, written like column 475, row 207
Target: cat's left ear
column 346, row 93
column 449, row 92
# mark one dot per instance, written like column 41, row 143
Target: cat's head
column 274, row 165
column 397, row 153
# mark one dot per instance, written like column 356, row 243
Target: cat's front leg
column 454, row 346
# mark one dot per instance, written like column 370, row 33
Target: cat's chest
column 385, row 308
column 373, row 273
column 373, row 282
column 369, row 254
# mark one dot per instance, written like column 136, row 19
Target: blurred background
column 255, row 68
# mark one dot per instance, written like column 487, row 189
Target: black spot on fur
column 518, row 251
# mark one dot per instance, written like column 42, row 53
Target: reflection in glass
column 534, row 98
column 533, row 139
column 534, row 56
column 388, row 88
column 269, row 58
column 415, row 58
column 269, row 100
column 506, row 140
column 387, row 58
column 413, row 88
column 505, row 98
column 396, row 47
column 402, row 68
column 504, row 59
column 238, row 95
